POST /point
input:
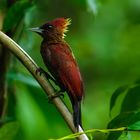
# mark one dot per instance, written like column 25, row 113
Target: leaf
column 9, row 131
column 129, row 116
column 32, row 120
column 15, row 14
column 135, row 122
column 26, row 79
column 114, row 135
column 131, row 120
column 131, row 100
column 122, row 120
column 115, row 95
column 135, row 126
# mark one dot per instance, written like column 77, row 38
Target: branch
column 31, row 66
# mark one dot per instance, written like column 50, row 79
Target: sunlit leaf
column 135, row 126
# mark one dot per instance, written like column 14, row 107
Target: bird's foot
column 58, row 94
column 39, row 71
column 48, row 76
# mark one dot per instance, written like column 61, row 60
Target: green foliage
column 32, row 120
column 129, row 104
column 15, row 14
column 104, row 37
column 115, row 95
column 91, row 132
column 9, row 130
column 135, row 122
column 130, row 110
column 26, row 79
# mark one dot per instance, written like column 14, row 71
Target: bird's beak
column 37, row 30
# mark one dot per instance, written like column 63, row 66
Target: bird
column 61, row 63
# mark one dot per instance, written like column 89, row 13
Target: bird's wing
column 67, row 71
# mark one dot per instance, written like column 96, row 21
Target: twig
column 32, row 67
column 92, row 131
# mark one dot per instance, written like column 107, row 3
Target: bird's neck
column 53, row 41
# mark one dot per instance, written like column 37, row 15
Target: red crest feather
column 61, row 24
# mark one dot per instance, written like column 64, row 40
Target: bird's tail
column 77, row 114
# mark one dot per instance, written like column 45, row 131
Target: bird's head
column 53, row 29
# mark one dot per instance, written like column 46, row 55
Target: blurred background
column 104, row 36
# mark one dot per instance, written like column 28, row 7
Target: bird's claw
column 51, row 97
column 39, row 71
column 48, row 76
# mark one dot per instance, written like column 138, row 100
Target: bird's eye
column 46, row 27
column 50, row 26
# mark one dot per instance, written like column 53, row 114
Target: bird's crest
column 62, row 24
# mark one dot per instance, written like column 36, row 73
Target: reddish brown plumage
column 61, row 63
